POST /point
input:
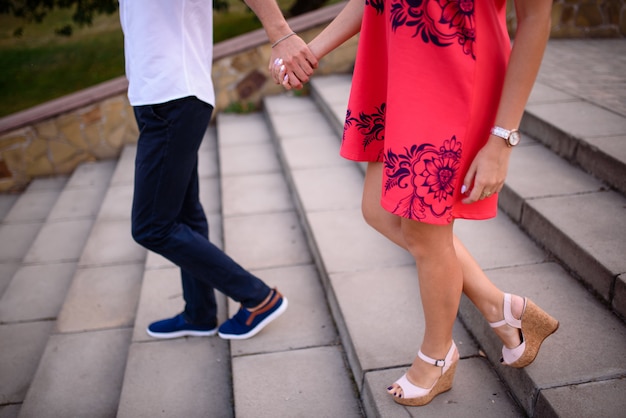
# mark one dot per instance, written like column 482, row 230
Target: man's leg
column 170, row 135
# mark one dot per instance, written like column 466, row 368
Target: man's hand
column 292, row 63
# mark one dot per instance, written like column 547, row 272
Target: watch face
column 514, row 138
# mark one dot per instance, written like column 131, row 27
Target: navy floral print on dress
column 439, row 22
column 379, row 5
column 428, row 174
column 371, row 126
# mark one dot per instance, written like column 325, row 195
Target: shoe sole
column 254, row 331
column 537, row 325
column 178, row 334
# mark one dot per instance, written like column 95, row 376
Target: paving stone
column 60, row 241
column 329, row 188
column 111, row 242
column 268, row 385
column 258, row 193
column 266, row 240
column 48, row 183
column 315, row 151
column 543, row 93
column 498, row 242
column 10, row 411
column 535, row 171
column 7, row 270
column 125, row 169
column 476, row 392
column 576, row 400
column 248, row 159
column 101, row 298
column 6, row 203
column 32, row 206
column 338, row 230
column 77, row 203
column 188, row 377
column 241, row 130
column 607, row 164
column 21, row 346
column 73, row 368
column 208, row 166
column 298, row 125
column 288, row 104
column 580, row 119
column 619, row 300
column 36, row 292
column 210, row 197
column 21, row 237
column 117, row 203
column 594, row 250
column 96, row 174
column 306, row 323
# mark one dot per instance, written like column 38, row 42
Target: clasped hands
column 292, row 63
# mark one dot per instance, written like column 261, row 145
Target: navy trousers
column 167, row 217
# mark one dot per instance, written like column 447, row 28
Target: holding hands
column 292, row 63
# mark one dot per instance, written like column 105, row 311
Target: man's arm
column 298, row 60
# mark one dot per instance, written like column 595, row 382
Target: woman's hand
column 487, row 172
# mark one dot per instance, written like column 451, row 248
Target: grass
column 40, row 65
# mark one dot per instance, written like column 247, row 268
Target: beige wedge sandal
column 413, row 395
column 535, row 326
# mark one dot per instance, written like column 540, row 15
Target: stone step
column 573, row 215
column 295, row 367
column 82, row 364
column 357, row 265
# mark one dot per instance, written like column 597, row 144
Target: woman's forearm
column 343, row 27
column 533, row 31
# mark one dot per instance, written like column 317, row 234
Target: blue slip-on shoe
column 178, row 327
column 246, row 324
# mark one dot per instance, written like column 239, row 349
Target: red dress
column 426, row 86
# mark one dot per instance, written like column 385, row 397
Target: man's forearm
column 271, row 18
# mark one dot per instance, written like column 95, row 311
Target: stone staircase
column 76, row 293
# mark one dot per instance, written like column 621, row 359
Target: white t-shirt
column 168, row 47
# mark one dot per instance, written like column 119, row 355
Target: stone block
column 21, row 346
column 110, row 242
column 36, row 292
column 186, row 377
column 278, row 240
column 273, row 383
column 73, row 368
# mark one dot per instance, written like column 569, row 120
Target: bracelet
column 282, row 39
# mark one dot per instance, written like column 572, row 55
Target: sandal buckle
column 440, row 363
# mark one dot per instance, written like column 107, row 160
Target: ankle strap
column 509, row 319
column 438, row 363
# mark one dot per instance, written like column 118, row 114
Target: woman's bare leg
column 476, row 285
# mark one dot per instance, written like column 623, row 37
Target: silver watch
column 512, row 137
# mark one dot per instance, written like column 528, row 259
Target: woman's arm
column 343, row 27
column 488, row 170
column 294, row 52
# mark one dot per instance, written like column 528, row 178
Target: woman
column 437, row 95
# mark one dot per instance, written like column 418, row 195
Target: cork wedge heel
column 413, row 395
column 535, row 326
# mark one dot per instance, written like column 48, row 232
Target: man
column 168, row 48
